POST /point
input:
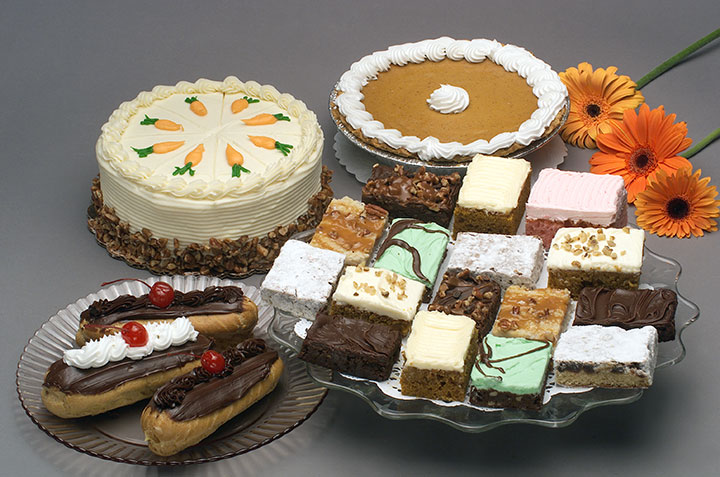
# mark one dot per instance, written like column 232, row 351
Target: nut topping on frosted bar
column 609, row 257
column 533, row 314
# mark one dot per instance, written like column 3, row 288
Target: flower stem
column 702, row 144
column 677, row 58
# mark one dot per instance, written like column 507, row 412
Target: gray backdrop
column 66, row 65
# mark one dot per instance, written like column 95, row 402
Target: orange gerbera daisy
column 597, row 99
column 678, row 205
column 641, row 145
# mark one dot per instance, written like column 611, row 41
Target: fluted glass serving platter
column 117, row 435
column 562, row 409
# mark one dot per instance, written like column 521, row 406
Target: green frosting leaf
column 250, row 100
column 284, row 148
column 148, row 121
column 182, row 170
column 237, row 169
column 281, row 117
column 191, row 99
column 144, row 152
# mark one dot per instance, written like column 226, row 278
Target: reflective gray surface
column 67, row 65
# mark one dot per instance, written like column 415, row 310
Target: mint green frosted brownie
column 510, row 372
column 414, row 250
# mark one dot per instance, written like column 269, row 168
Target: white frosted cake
column 210, row 160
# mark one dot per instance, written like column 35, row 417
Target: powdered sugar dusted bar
column 506, row 259
column 302, row 278
column 606, row 357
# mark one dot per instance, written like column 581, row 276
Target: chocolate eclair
column 223, row 313
column 104, row 376
column 192, row 406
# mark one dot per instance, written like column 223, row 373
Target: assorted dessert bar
column 533, row 314
column 606, row 356
column 378, row 296
column 414, row 250
column 487, row 297
column 628, row 309
column 574, row 199
column 439, row 353
column 493, row 195
column 421, row 194
column 581, row 257
column 510, row 373
column 302, row 278
column 505, row 259
column 462, row 293
column 352, row 228
column 356, row 347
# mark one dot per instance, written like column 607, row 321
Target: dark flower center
column 593, row 110
column 678, row 208
column 642, row 161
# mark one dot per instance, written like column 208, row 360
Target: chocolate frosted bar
column 355, row 347
column 628, row 309
column 463, row 294
column 421, row 195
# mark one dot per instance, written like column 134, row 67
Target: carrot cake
column 582, row 257
column 439, row 353
column 211, row 176
column 574, row 199
column 378, row 296
column 493, row 195
column 533, row 314
column 447, row 100
column 606, row 357
column 352, row 228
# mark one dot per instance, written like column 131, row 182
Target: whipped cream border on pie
column 545, row 83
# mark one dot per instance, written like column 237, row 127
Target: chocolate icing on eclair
column 210, row 301
column 199, row 392
column 397, row 227
column 628, row 309
column 71, row 380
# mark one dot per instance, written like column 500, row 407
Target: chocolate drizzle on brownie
column 200, row 392
column 628, row 309
column 465, row 294
column 98, row 380
column 212, row 300
column 486, row 353
column 397, row 227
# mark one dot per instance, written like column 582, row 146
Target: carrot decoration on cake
column 196, row 106
column 265, row 118
column 270, row 143
column 240, row 104
column 158, row 148
column 235, row 159
column 164, row 124
column 192, row 159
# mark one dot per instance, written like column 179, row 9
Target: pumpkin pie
column 448, row 100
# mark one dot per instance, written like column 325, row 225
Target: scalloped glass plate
column 561, row 410
column 117, row 435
